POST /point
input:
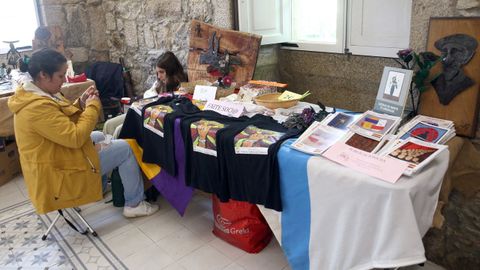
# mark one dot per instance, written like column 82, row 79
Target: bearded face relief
column 457, row 50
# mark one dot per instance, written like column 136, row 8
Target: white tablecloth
column 341, row 219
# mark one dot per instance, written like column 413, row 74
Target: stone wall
column 137, row 30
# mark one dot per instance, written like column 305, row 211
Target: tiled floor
column 162, row 241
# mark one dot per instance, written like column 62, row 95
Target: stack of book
column 428, row 129
column 419, row 141
column 371, row 131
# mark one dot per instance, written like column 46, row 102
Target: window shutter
column 378, row 27
column 269, row 18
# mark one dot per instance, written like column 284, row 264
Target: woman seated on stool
column 60, row 163
column 169, row 76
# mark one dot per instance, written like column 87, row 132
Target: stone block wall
column 137, row 30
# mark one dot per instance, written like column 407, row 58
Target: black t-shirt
column 200, row 132
column 158, row 122
column 248, row 162
column 133, row 125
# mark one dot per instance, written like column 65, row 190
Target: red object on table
column 77, row 78
column 240, row 224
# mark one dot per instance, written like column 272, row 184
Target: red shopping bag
column 240, row 224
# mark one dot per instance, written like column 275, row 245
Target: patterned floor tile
column 21, row 246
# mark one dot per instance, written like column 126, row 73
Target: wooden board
column 463, row 109
column 243, row 45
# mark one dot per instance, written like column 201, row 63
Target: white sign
column 225, row 108
column 204, row 93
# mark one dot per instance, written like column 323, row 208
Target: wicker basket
column 271, row 101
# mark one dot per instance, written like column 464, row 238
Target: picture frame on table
column 393, row 91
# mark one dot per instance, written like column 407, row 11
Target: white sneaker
column 142, row 209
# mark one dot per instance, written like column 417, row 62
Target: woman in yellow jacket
column 60, row 163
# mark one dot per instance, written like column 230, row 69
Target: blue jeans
column 118, row 154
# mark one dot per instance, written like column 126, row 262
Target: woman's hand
column 92, row 98
column 85, row 95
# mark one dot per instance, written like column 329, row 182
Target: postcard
column 384, row 168
column 317, row 138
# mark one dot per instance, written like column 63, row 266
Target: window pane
column 18, row 21
column 315, row 21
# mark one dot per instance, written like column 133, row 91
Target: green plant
column 421, row 64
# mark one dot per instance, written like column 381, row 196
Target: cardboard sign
column 205, row 93
column 225, row 108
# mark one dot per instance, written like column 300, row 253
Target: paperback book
column 416, row 153
column 317, row 138
column 375, row 125
column 340, row 120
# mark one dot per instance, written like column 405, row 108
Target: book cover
column 425, row 132
column 341, row 121
column 361, row 142
column 317, row 138
column 375, row 125
column 416, row 153
column 393, row 91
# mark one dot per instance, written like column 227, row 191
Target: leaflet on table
column 317, row 138
column 225, row 108
column 375, row 125
column 381, row 167
column 415, row 153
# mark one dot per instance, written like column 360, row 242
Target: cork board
column 463, row 109
column 245, row 46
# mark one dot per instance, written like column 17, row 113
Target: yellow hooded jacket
column 59, row 162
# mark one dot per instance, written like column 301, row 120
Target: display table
column 71, row 91
column 336, row 218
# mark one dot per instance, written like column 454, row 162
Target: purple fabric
column 173, row 189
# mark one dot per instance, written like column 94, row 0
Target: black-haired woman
column 60, row 163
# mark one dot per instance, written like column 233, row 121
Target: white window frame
column 4, row 50
column 338, row 47
column 344, row 30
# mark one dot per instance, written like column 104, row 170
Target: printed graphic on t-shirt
column 154, row 118
column 138, row 105
column 255, row 141
column 203, row 134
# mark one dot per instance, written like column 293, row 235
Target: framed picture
column 393, row 91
